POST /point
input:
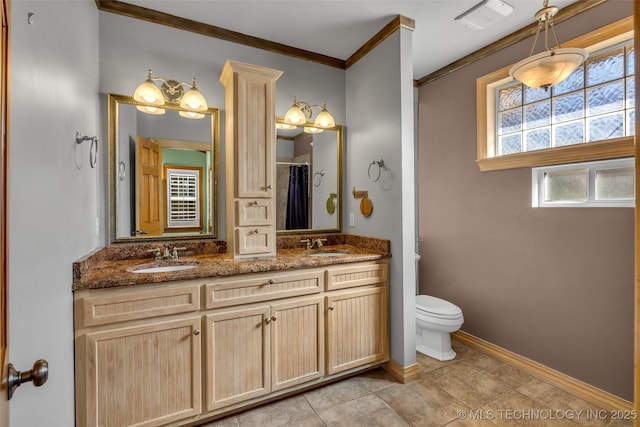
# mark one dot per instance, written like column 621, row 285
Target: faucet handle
column 308, row 242
column 155, row 251
column 318, row 242
column 174, row 253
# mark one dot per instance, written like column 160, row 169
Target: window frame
column 195, row 171
column 537, row 185
column 594, row 41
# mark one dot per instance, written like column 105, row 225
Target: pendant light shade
column 294, row 115
column 551, row 66
column 193, row 99
column 324, row 119
column 548, row 68
column 148, row 93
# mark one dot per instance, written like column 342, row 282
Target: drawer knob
column 331, row 307
column 254, row 203
column 196, row 332
column 270, row 282
column 256, row 231
column 274, row 318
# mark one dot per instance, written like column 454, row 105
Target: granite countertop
column 109, row 267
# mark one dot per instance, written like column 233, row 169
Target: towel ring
column 380, row 164
column 93, row 153
column 317, row 178
column 122, row 167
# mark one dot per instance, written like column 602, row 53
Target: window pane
column 568, row 107
column 538, row 139
column 510, row 144
column 605, row 98
column 630, row 60
column 533, row 95
column 631, row 94
column 566, row 185
column 631, row 122
column 605, row 127
column 606, row 67
column 536, row 115
column 509, row 121
column 568, row 134
column 575, row 81
column 510, row 97
column 614, row 184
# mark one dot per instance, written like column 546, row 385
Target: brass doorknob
column 38, row 375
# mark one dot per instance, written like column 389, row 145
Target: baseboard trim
column 574, row 386
column 404, row 374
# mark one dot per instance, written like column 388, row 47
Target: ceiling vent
column 484, row 14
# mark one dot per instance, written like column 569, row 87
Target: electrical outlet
column 352, row 219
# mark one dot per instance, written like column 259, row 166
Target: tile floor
column 472, row 390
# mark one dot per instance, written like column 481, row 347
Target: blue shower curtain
column 298, row 200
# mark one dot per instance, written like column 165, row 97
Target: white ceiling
column 339, row 28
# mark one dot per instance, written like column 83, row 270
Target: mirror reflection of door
column 149, row 188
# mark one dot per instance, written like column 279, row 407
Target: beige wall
column 553, row 285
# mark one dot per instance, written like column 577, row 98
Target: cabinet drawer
column 358, row 275
column 253, row 212
column 261, row 288
column 122, row 305
column 254, row 240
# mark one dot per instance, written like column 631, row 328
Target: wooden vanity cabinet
column 175, row 353
column 132, row 372
column 250, row 157
column 260, row 349
column 357, row 319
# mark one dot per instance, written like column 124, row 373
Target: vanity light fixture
column 284, row 126
column 312, row 129
column 300, row 113
column 553, row 65
column 192, row 102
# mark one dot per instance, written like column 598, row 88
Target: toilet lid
column 437, row 306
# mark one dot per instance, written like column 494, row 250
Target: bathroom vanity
column 176, row 347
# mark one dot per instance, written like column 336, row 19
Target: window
column 588, row 116
column 183, row 197
column 607, row 183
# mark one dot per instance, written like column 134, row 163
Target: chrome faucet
column 309, row 243
column 317, row 243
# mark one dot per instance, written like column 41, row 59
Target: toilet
column 435, row 320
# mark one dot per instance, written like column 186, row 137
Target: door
column 149, row 187
column 4, row 304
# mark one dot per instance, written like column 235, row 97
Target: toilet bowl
column 435, row 320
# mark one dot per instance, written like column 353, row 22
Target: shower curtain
column 298, row 200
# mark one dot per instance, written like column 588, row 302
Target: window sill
column 609, row 149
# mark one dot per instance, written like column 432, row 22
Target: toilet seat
column 437, row 307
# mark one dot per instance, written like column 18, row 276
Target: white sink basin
column 159, row 268
column 328, row 254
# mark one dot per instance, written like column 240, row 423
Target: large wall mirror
column 308, row 180
column 163, row 173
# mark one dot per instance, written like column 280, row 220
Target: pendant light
column 551, row 66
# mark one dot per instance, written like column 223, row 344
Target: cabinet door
column 297, row 335
column 357, row 328
column 145, row 375
column 237, row 355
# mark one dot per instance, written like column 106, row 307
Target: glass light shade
column 150, row 109
column 193, row 100
column 191, row 115
column 324, row 119
column 548, row 68
column 295, row 116
column 311, row 129
column 285, row 126
column 148, row 93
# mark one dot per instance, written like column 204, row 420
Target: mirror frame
column 113, row 101
column 339, row 129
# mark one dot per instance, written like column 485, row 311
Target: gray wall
column 52, row 206
column 553, row 285
column 380, row 126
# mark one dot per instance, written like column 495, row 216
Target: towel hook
column 380, row 164
column 93, row 153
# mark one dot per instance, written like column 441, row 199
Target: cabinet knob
column 270, row 282
column 273, row 318
column 196, row 332
column 331, row 307
column 254, row 203
column 256, row 231
column 267, row 187
column 267, row 320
